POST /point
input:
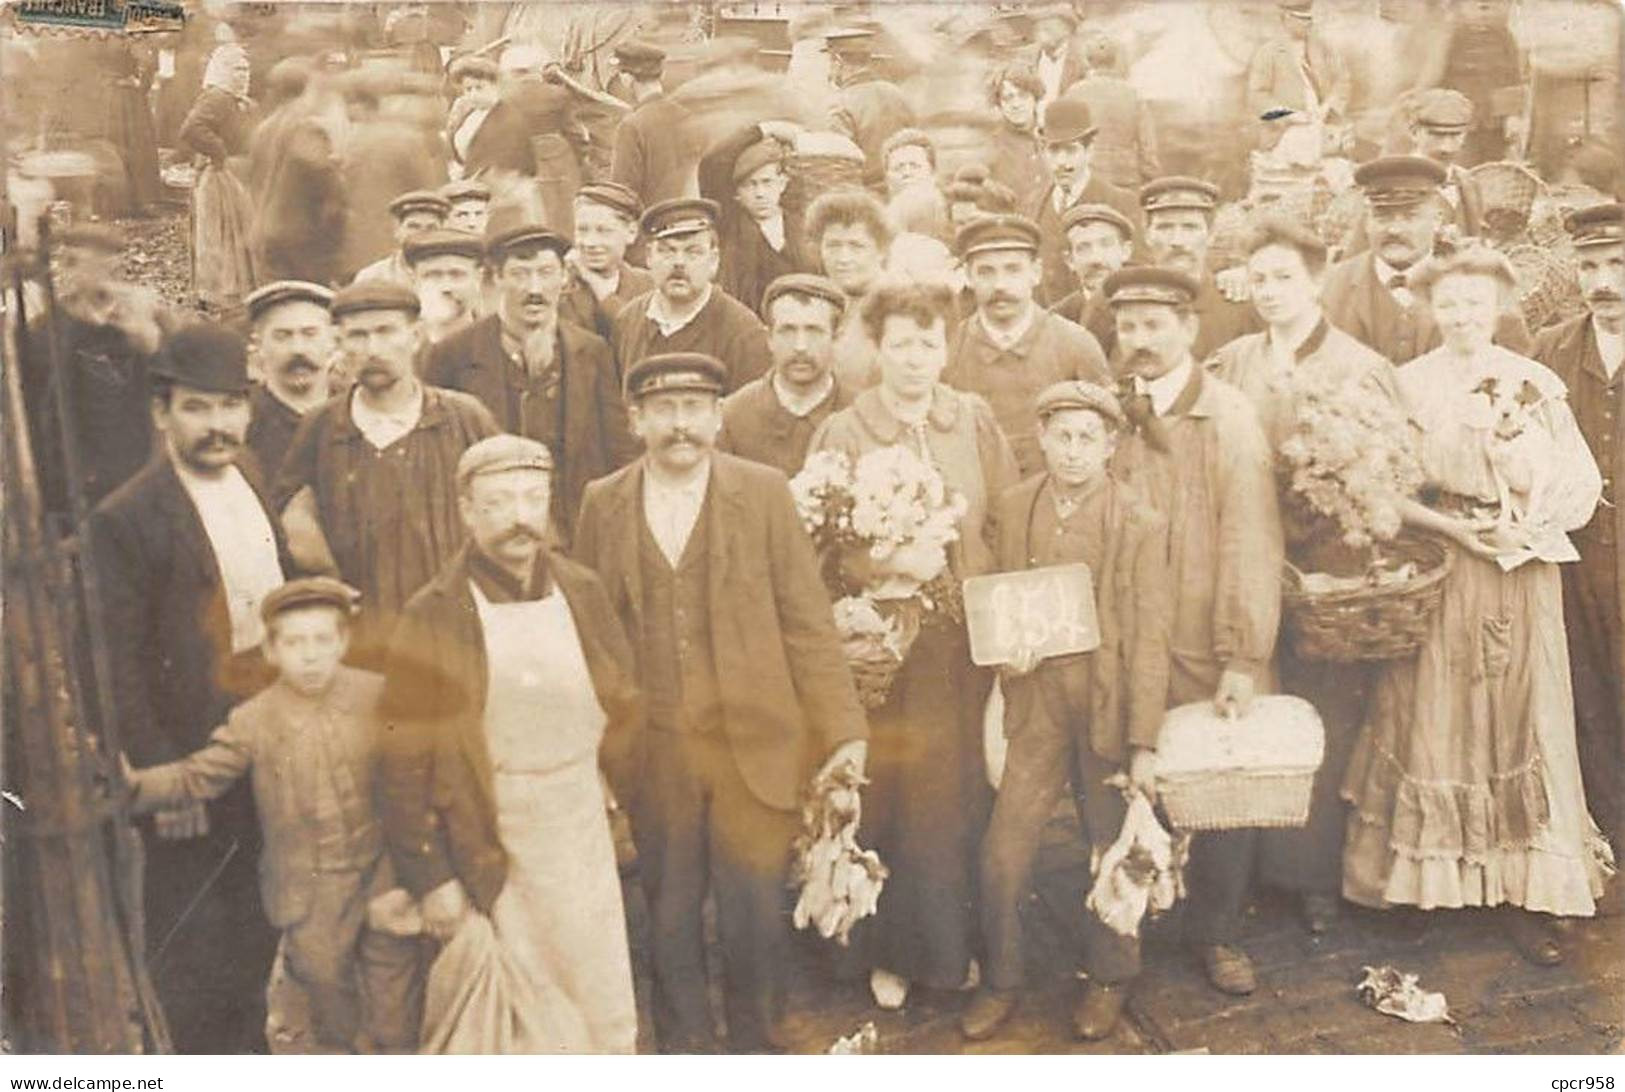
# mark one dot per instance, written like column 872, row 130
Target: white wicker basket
column 1215, row 773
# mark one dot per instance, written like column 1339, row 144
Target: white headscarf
column 219, row 72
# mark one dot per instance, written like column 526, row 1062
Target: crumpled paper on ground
column 1394, row 993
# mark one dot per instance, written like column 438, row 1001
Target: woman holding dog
column 1466, row 779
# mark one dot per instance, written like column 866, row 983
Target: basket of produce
column 1379, row 614
column 1228, row 773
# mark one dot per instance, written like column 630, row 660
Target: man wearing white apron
column 505, row 679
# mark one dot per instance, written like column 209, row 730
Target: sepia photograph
column 683, row 527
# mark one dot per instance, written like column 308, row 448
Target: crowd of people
column 451, row 568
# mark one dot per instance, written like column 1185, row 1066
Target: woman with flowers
column 1330, row 409
column 927, row 806
column 1466, row 781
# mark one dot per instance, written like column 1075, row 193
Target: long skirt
column 925, row 812
column 222, row 247
column 548, row 971
column 1466, row 779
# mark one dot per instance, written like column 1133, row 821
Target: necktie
column 1397, row 285
column 1142, row 417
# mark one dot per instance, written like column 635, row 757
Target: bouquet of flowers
column 883, row 524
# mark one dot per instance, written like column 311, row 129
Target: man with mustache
column 602, row 281
column 1012, row 349
column 414, row 213
column 1197, row 454
column 772, row 419
column 1367, row 294
column 186, row 550
column 1586, row 353
column 685, row 312
column 1067, row 137
column 540, row 375
column 1178, row 229
column 368, row 488
column 508, row 688
column 294, row 343
column 718, row 588
column 1099, row 242
column 447, row 271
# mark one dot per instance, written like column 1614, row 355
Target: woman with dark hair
column 928, row 803
column 849, row 233
column 1466, row 779
column 1016, row 160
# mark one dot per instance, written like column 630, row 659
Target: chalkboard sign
column 1051, row 610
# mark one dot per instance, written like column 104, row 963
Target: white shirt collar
column 659, row 315
column 1007, row 340
column 671, row 511
column 798, row 404
column 380, row 428
column 1166, row 389
column 1611, row 347
column 773, row 230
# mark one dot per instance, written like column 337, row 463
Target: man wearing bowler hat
column 653, row 156
column 1012, row 349
column 294, row 344
column 368, row 489
column 1588, row 354
column 186, row 550
column 719, row 591
column 1066, row 137
column 540, row 375
column 1368, row 294
column 685, row 311
column 602, row 281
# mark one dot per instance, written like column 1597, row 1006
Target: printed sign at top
column 134, row 16
column 1049, row 610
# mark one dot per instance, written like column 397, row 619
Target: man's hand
column 444, row 909
column 1232, row 284
column 186, row 821
column 1142, row 772
column 1022, row 662
column 1235, row 694
column 785, row 132
column 854, row 753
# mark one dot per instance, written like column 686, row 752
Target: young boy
column 310, row 740
column 1080, row 718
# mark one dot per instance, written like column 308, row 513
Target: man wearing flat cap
column 1099, row 242
column 654, row 154
column 486, row 132
column 414, row 213
column 1179, row 214
column 1587, row 352
column 719, row 590
column 1197, row 453
column 869, row 108
column 448, row 272
column 367, row 489
column 760, row 210
column 294, row 346
column 540, row 375
column 484, row 814
column 772, row 418
column 602, row 280
column 1066, row 138
column 1080, row 718
column 1298, row 73
column 470, row 201
column 1368, row 294
column 186, row 551
column 1012, row 349
column 1439, row 120
column 685, row 311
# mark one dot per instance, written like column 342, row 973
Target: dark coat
column 756, row 426
column 869, row 110
column 724, row 327
column 501, row 143
column 165, row 613
column 1126, row 678
column 217, row 126
column 749, row 263
column 654, row 151
column 1059, row 280
column 435, row 792
column 595, row 436
column 786, row 695
column 1360, row 304
column 271, row 427
column 299, row 216
column 578, row 304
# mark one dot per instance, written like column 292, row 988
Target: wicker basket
column 1383, row 622
column 1215, row 773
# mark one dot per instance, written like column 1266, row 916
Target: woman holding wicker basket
column 1465, row 782
column 928, row 803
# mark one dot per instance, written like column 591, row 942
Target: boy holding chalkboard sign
column 1081, row 717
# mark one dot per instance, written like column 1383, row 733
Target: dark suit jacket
column 1360, row 304
column 502, row 143
column 435, row 791
column 1126, row 678
column 1059, row 280
column 749, row 263
column 593, row 425
column 786, row 694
